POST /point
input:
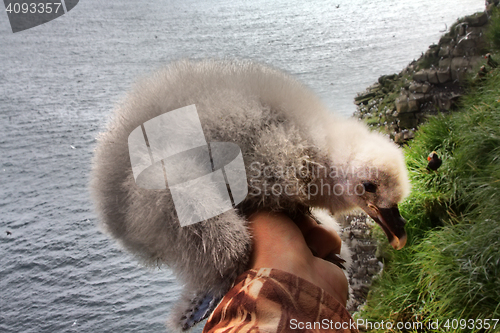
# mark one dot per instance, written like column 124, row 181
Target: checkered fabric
column 272, row 301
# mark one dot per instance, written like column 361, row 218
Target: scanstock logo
column 204, row 179
column 26, row 14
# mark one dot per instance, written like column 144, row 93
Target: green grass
column 493, row 33
column 450, row 268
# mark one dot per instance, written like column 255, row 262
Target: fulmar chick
column 296, row 154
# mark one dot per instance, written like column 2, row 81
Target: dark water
column 58, row 83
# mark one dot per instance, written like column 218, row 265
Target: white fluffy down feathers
column 279, row 125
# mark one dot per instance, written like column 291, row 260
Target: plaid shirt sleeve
column 272, row 301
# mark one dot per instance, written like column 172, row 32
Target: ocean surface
column 59, row 82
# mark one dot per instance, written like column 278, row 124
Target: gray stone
column 425, row 88
column 414, row 87
column 357, row 233
column 385, row 80
column 459, row 63
column 466, row 46
column 407, row 120
column 474, row 32
column 475, row 61
column 444, row 51
column 420, row 76
column 432, row 76
column 364, row 98
column 445, row 63
column 459, row 74
column 477, row 19
column 367, row 247
column 418, row 97
column 372, row 270
column 419, row 87
column 445, row 40
column 413, row 105
column 443, row 76
column 431, row 53
column 460, row 29
column 444, row 104
column 409, row 135
column 458, row 52
column 446, row 100
column 374, row 87
column 401, row 104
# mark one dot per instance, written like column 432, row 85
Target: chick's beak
column 392, row 223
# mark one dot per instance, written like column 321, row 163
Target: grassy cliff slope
column 450, row 268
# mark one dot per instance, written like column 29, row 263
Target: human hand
column 279, row 242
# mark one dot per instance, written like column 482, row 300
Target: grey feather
column 279, row 125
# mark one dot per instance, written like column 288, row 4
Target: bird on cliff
column 480, row 75
column 489, row 60
column 8, row 233
column 482, row 72
column 434, row 162
column 297, row 157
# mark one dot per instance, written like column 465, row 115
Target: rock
column 446, row 100
column 425, row 88
column 460, row 29
column 387, row 80
column 399, row 138
column 474, row 32
column 445, row 63
column 374, row 87
column 465, row 47
column 432, row 52
column 444, row 104
column 357, row 233
column 454, row 96
column 407, row 120
column 444, row 51
column 459, row 63
column 408, row 134
column 420, row 76
column 401, row 104
column 372, row 270
column 477, row 19
column 417, row 97
column 419, row 87
column 459, row 74
column 413, row 105
column 445, row 40
column 364, row 98
column 474, row 61
column 443, row 76
column 367, row 247
column 432, row 77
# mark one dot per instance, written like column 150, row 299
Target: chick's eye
column 370, row 187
